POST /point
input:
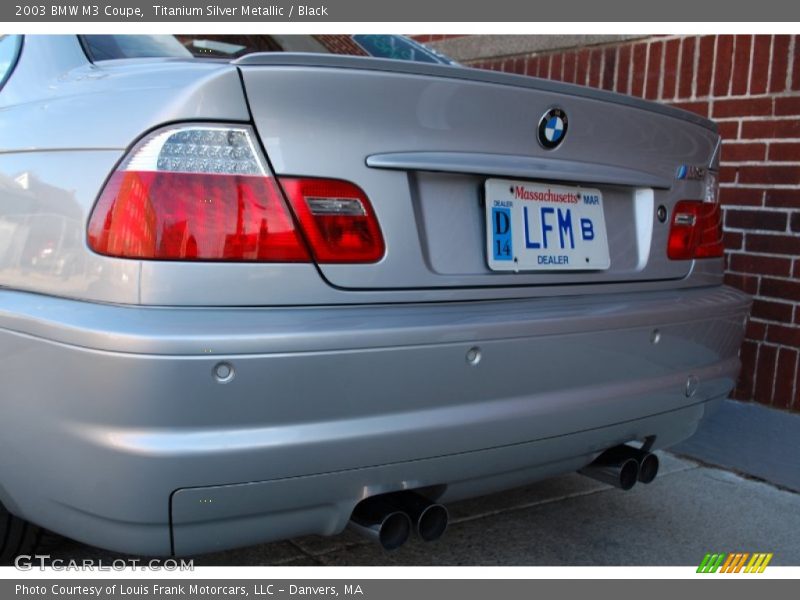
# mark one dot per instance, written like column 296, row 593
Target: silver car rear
column 213, row 402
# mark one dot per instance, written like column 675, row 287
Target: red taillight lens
column 192, row 216
column 696, row 231
column 195, row 193
column 337, row 220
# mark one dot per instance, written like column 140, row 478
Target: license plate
column 538, row 226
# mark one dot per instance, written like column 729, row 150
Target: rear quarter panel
column 64, row 124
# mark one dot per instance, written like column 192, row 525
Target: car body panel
column 132, row 391
column 107, row 105
column 432, row 213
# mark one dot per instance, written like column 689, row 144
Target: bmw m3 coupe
column 246, row 296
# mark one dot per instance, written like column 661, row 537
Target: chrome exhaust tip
column 380, row 521
column 613, row 468
column 429, row 518
column 648, row 467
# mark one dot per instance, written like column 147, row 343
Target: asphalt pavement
column 689, row 510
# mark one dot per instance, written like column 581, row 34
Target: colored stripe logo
column 736, row 562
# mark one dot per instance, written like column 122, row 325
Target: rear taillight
column 337, row 220
column 199, row 192
column 696, row 231
column 696, row 226
column 205, row 193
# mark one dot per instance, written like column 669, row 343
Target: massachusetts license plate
column 538, row 226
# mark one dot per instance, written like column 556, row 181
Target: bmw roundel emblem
column 552, row 128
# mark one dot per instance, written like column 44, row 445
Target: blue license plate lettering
column 552, row 221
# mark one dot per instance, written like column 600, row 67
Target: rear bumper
column 116, row 431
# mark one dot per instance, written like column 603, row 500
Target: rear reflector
column 696, row 231
column 337, row 220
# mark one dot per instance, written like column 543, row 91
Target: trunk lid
column 423, row 140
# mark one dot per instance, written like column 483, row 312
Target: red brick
column 795, row 223
column 533, row 66
column 744, row 387
column 760, row 265
column 796, row 275
column 765, row 372
column 544, row 67
column 784, row 335
column 772, row 175
column 759, row 70
column 654, row 70
column 743, row 107
column 671, row 68
column 723, row 65
column 727, row 174
column 741, row 64
column 786, row 289
column 743, row 152
column 767, row 310
column 609, row 67
column 700, row 108
column 728, row 130
column 686, row 68
column 736, row 196
column 755, row 219
column 705, row 64
column 556, row 66
column 582, row 67
column 623, row 67
column 785, row 374
column 773, row 244
column 780, row 63
column 570, row 61
column 755, row 330
column 771, row 128
column 784, row 151
column 732, row 240
column 782, row 198
column 595, row 67
column 746, row 283
column 639, row 69
column 789, row 105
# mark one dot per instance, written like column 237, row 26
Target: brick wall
column 751, row 86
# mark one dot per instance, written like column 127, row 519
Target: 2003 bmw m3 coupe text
column 262, row 295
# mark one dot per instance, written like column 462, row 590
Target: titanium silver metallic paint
column 350, row 380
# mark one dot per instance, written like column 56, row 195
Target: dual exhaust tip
column 389, row 519
column 623, row 466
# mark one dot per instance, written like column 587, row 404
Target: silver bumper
column 118, row 431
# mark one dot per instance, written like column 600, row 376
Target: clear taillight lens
column 195, row 192
column 711, row 186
